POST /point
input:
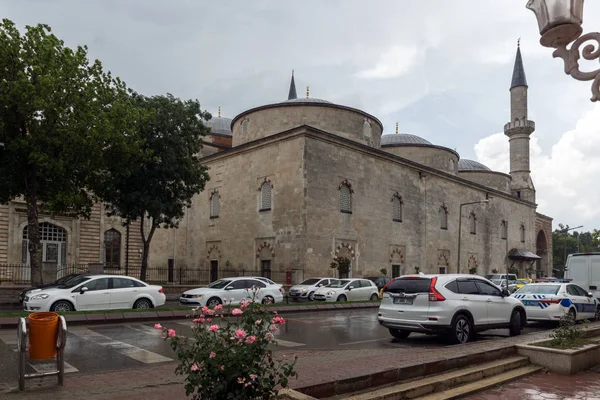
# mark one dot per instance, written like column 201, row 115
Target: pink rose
column 157, row 326
column 237, row 311
column 214, row 328
column 250, row 339
column 240, row 334
column 273, row 328
column 199, row 320
column 205, row 310
column 258, row 322
column 218, row 307
column 241, row 380
column 278, row 320
column 208, row 320
column 252, row 376
column 171, row 333
column 196, row 366
column 269, row 336
column 245, row 304
column 212, row 354
column 222, row 368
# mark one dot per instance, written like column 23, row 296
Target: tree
column 383, row 271
column 159, row 189
column 342, row 264
column 59, row 117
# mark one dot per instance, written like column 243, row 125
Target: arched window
column 522, row 231
column 443, row 217
column 397, row 204
column 53, row 239
column 265, row 196
column 504, row 229
column 215, row 204
column 473, row 223
column 245, row 126
column 345, row 197
column 112, row 248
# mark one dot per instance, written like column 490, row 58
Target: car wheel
column 268, row 300
column 311, row 296
column 62, row 306
column 597, row 316
column 374, row 297
column 572, row 316
column 213, row 302
column 142, row 304
column 461, row 329
column 515, row 324
column 342, row 297
column 399, row 334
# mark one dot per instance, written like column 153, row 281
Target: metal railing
column 20, row 274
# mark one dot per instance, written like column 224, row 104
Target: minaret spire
column 292, row 94
column 518, row 77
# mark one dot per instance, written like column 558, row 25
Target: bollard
column 44, row 349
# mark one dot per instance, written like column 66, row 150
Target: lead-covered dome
column 307, row 100
column 402, row 139
column 219, row 125
column 471, row 165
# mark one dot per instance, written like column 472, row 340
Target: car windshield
column 310, row 281
column 339, row 284
column 220, row 284
column 539, row 289
column 74, row 282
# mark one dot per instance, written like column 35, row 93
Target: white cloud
column 397, row 61
column 566, row 178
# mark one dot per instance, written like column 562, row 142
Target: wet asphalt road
column 101, row 348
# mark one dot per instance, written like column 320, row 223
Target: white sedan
column 348, row 290
column 551, row 301
column 231, row 290
column 95, row 292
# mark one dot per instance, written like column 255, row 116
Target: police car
column 550, row 301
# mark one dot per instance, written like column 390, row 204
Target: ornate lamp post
column 560, row 24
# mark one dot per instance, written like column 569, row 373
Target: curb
column 112, row 318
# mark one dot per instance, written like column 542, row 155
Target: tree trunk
column 33, row 228
column 146, row 249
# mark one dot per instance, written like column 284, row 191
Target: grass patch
column 181, row 308
column 563, row 344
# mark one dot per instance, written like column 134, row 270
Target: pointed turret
column 518, row 77
column 292, row 95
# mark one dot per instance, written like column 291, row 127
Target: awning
column 522, row 254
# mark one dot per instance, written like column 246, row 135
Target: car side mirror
column 229, row 288
column 590, row 294
column 350, row 287
column 505, row 293
column 320, row 285
column 83, row 290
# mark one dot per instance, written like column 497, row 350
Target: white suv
column 455, row 305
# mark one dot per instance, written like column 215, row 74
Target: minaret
column 518, row 131
column 292, row 95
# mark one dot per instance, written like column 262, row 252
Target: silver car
column 306, row 290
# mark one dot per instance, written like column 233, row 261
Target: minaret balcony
column 519, row 126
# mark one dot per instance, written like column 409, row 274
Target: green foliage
column 232, row 359
column 383, row 271
column 568, row 335
column 566, row 241
column 342, row 264
column 494, row 271
column 59, row 117
column 159, row 188
column 472, row 271
column 417, row 269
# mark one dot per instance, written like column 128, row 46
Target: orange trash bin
column 43, row 334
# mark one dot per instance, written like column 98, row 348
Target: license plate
column 183, row 301
column 402, row 300
column 530, row 303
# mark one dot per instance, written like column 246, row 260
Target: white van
column 584, row 270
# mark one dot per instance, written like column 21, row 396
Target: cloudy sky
column 440, row 68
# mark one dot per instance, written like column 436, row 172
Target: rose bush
column 231, row 358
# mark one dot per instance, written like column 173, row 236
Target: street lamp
column 565, row 231
column 486, row 201
column 560, row 23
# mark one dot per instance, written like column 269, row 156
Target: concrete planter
column 564, row 362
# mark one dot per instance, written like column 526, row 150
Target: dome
column 403, row 139
column 470, row 165
column 307, row 100
column 219, row 125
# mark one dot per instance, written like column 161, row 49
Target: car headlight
column 303, row 290
column 331, row 292
column 40, row 297
column 199, row 296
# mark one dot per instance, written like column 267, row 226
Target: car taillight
column 387, row 284
column 161, row 290
column 434, row 295
column 282, row 290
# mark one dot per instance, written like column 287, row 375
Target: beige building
column 306, row 180
column 296, row 183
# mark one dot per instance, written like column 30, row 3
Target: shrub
column 230, row 358
column 567, row 335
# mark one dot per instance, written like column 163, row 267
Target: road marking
column 364, row 341
column 51, row 367
column 126, row 349
column 285, row 343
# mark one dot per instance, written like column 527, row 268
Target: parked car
column 95, row 292
column 454, row 305
column 347, row 290
column 501, row 283
column 380, row 281
column 267, row 281
column 231, row 290
column 56, row 283
column 551, row 301
column 523, row 281
column 306, row 290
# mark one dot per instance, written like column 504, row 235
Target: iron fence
column 20, row 274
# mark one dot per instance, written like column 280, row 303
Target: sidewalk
column 583, row 386
column 314, row 367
